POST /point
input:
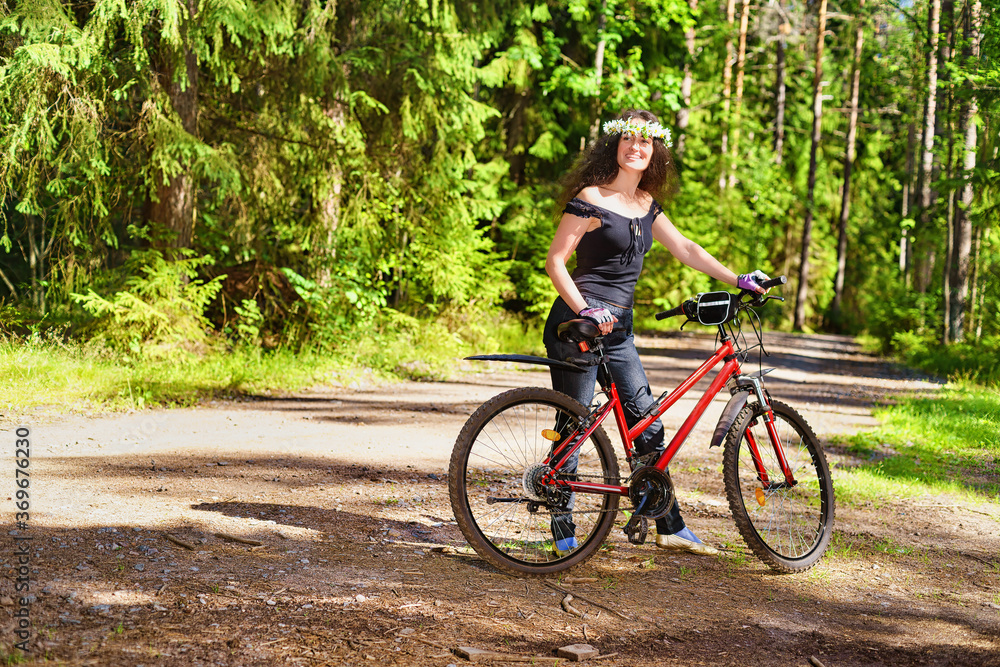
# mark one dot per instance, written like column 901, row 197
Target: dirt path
column 346, row 491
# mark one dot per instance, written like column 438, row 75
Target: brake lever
column 758, row 300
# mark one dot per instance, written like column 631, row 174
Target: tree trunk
column 516, row 154
column 602, row 22
column 684, row 114
column 174, row 208
column 976, row 298
column 779, row 123
column 727, row 82
column 779, row 93
column 962, row 243
column 741, row 55
column 35, row 266
column 330, row 206
column 945, row 128
column 909, row 186
column 926, row 257
column 803, row 292
column 852, row 129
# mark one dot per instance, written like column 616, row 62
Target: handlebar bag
column 714, row 308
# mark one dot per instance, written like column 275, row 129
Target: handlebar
column 688, row 307
column 675, row 311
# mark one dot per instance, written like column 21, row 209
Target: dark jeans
column 630, row 379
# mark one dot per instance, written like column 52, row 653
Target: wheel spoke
column 499, row 455
column 787, row 526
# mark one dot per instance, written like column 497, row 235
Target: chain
column 606, row 479
column 574, row 512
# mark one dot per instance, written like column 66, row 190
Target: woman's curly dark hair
column 599, row 165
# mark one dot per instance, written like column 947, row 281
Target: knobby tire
column 788, row 529
column 499, row 444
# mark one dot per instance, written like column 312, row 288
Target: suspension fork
column 772, row 434
column 779, row 450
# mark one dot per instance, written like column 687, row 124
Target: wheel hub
column 531, row 481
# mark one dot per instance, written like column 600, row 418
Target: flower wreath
column 648, row 130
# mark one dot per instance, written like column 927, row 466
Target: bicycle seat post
column 603, row 372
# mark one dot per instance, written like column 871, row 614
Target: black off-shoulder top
column 609, row 258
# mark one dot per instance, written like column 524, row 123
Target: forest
column 181, row 178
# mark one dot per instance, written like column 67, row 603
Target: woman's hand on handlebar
column 752, row 281
column 602, row 317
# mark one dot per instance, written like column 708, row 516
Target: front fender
column 728, row 416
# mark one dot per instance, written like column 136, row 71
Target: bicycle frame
column 730, row 368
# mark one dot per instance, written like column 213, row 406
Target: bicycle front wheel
column 787, row 527
column 511, row 520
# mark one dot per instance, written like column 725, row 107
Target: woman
column 610, row 220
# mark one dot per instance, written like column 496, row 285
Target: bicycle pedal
column 636, row 529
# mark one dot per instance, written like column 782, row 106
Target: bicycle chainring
column 654, row 486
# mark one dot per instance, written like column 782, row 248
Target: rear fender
column 526, row 359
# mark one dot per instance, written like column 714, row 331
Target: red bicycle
column 535, row 483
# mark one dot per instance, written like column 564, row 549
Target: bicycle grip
column 774, row 282
column 673, row 312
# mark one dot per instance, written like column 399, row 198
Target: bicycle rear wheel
column 502, row 511
column 788, row 528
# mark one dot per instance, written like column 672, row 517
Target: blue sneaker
column 685, row 540
column 565, row 545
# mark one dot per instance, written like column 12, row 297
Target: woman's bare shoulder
column 590, row 194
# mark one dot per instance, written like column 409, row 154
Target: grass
column 35, row 373
column 853, row 547
column 890, row 547
column 734, row 558
column 14, row 657
column 945, row 444
column 843, row 547
column 40, row 371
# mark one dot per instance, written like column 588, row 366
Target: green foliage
column 160, row 310
column 39, row 370
column 11, row 319
column 44, row 369
column 345, row 305
column 976, row 362
column 249, row 322
column 398, row 162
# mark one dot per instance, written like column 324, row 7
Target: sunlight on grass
column 34, row 373
column 947, row 444
column 37, row 371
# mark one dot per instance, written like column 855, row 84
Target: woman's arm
column 689, row 252
column 571, row 229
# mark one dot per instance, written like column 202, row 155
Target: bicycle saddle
column 577, row 331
